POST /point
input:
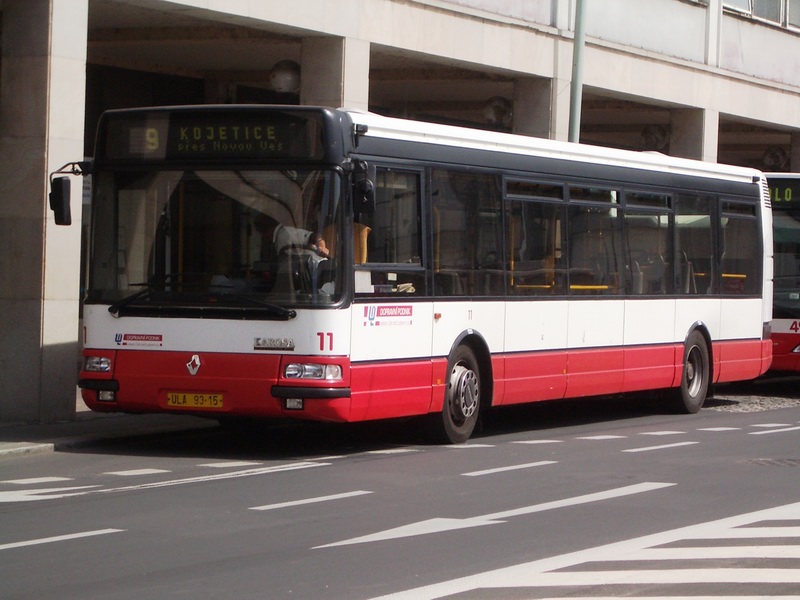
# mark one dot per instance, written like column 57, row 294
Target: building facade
column 716, row 80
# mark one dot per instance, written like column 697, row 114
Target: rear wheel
column 462, row 399
column 691, row 395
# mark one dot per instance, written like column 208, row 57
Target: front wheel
column 462, row 399
column 691, row 395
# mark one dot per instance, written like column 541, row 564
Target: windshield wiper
column 119, row 304
column 143, row 293
column 277, row 309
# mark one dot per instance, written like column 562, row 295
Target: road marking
column 53, row 493
column 545, row 573
column 664, row 447
column 311, row 500
column 392, row 451
column 539, row 442
column 45, row 493
column 218, row 477
column 774, row 430
column 466, row 446
column 231, row 464
column 540, row 463
column 603, row 437
column 36, row 480
column 438, row 525
column 769, row 425
column 136, row 472
column 720, row 429
column 663, row 433
column 59, row 538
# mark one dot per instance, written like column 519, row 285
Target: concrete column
column 794, row 152
column 694, row 133
column 42, row 102
column 713, row 25
column 533, row 99
column 335, row 72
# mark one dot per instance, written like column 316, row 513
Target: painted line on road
column 540, row 463
column 311, row 500
column 59, row 538
column 137, row 472
column 666, row 432
column 442, row 524
column 601, row 438
column 720, row 429
column 54, row 493
column 550, row 572
column 36, row 480
column 533, row 442
column 231, row 464
column 774, row 430
column 663, row 447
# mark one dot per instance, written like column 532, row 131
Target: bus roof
column 448, row 135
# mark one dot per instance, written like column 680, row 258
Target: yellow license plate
column 192, row 400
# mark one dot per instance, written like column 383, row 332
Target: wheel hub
column 465, row 392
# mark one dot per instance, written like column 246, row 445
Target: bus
column 334, row 265
column 784, row 191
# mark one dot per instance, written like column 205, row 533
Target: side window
column 534, row 233
column 648, row 243
column 694, row 245
column 595, row 245
column 740, row 264
column 467, row 233
column 388, row 251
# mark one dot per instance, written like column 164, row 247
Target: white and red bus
column 784, row 191
column 342, row 266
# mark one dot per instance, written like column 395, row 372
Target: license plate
column 194, row 400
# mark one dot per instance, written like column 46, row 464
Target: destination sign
column 784, row 192
column 212, row 135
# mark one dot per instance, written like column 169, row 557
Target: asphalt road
column 595, row 499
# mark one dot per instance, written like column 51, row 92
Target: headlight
column 313, row 371
column 97, row 364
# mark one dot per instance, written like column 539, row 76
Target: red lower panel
column 532, row 377
column 783, row 359
column 386, row 390
column 652, row 367
column 741, row 360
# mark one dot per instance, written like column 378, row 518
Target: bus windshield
column 172, row 242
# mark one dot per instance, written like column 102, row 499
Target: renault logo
column 194, row 365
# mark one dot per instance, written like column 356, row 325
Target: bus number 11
column 322, row 337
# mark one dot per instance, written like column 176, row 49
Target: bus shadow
column 292, row 440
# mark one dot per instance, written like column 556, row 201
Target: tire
column 691, row 395
column 462, row 399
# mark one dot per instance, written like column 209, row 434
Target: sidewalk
column 87, row 427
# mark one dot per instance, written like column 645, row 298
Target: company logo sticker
column 139, row 339
column 393, row 315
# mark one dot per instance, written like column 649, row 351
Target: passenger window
column 739, row 264
column 694, row 249
column 534, row 234
column 595, row 249
column 467, row 233
column 388, row 251
column 648, row 244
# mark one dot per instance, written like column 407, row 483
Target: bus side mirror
column 363, row 188
column 364, row 197
column 59, row 200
